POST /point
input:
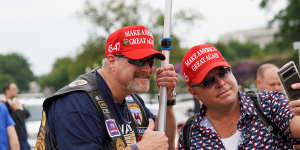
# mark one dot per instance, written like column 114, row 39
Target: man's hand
column 15, row 105
column 153, row 140
column 167, row 76
column 295, row 104
column 3, row 100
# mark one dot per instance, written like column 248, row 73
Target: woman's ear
column 193, row 92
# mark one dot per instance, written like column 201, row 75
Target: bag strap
column 187, row 132
column 270, row 126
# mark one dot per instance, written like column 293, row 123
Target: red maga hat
column 135, row 42
column 199, row 60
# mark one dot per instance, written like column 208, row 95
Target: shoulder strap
column 270, row 126
column 186, row 133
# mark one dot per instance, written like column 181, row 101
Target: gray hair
column 104, row 62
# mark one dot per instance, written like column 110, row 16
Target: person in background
column 101, row 109
column 267, row 78
column 17, row 112
column 8, row 135
column 228, row 118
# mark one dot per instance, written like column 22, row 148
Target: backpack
column 270, row 126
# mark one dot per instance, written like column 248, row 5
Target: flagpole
column 166, row 46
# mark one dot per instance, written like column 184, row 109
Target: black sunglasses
column 139, row 62
column 209, row 82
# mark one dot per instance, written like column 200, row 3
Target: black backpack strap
column 270, row 126
column 187, row 132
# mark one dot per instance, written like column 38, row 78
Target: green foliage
column 14, row 67
column 91, row 56
column 235, row 50
column 110, row 15
column 59, row 74
column 5, row 78
column 288, row 20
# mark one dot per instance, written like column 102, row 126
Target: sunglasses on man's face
column 210, row 81
column 139, row 62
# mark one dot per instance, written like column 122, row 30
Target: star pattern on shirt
column 254, row 134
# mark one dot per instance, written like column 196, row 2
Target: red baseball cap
column 199, row 60
column 135, row 42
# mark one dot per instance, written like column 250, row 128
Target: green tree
column 4, row 78
column 235, row 50
column 228, row 53
column 59, row 74
column 14, row 67
column 93, row 51
column 288, row 20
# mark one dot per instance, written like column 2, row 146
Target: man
column 228, row 118
column 100, row 109
column 8, row 135
column 267, row 78
column 17, row 112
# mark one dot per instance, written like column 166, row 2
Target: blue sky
column 43, row 30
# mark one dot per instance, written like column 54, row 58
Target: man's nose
column 219, row 81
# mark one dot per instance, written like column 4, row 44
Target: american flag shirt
column 253, row 132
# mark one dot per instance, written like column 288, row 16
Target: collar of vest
column 86, row 82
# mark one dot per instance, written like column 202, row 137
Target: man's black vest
column 88, row 83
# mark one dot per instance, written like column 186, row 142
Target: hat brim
column 143, row 53
column 201, row 75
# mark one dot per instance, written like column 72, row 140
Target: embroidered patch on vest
column 141, row 130
column 78, row 83
column 129, row 99
column 136, row 113
column 112, row 128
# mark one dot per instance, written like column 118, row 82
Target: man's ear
column 258, row 83
column 111, row 62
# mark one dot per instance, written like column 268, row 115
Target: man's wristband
column 172, row 101
column 134, row 147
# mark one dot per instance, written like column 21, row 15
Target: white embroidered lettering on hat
column 203, row 60
column 197, row 54
column 138, row 33
column 212, row 56
column 115, row 48
column 197, row 64
column 138, row 41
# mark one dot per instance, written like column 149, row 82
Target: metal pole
column 166, row 52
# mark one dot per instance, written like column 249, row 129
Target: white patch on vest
column 78, row 83
column 129, row 99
